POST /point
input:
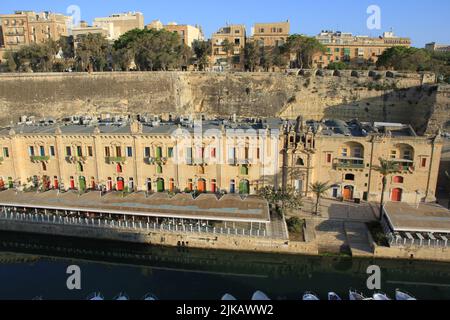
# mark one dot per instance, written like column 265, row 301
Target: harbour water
column 35, row 266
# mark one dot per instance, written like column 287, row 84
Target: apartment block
column 271, row 34
column 118, row 24
column 234, row 60
column 187, row 33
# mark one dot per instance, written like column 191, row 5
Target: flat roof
column 182, row 206
column 425, row 218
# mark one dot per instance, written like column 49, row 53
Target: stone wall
column 369, row 97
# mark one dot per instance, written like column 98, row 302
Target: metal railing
column 136, row 226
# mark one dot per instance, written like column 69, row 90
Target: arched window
column 232, row 186
column 300, row 162
column 44, row 166
column 213, row 186
column 171, row 185
column 159, row 169
column 398, row 179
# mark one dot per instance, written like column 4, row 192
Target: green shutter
column 82, row 183
column 160, row 185
column 158, row 152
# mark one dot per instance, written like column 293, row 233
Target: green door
column 82, row 183
column 160, row 185
column 244, row 187
column 158, row 153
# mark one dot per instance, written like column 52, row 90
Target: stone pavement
column 358, row 239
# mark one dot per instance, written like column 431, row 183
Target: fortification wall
column 384, row 96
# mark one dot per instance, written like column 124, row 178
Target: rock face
column 409, row 98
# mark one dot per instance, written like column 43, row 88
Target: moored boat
column 402, row 295
column 379, row 296
column 260, row 296
column 149, row 297
column 332, row 296
column 228, row 297
column 95, row 296
column 121, row 297
column 309, row 296
column 357, row 296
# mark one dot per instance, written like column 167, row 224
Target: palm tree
column 319, row 189
column 228, row 47
column 386, row 168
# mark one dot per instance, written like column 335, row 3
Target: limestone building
column 221, row 156
column 234, row 59
column 27, row 27
column 341, row 46
column 271, row 34
column 346, row 155
column 118, row 24
column 187, row 33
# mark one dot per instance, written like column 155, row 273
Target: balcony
column 349, row 164
column 39, row 158
column 155, row 160
column 74, row 159
column 112, row 160
column 404, row 165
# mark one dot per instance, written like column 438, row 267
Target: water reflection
column 32, row 265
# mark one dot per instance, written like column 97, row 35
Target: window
column 213, row 152
column 231, row 155
column 68, row 151
column 6, row 152
column 398, row 179
column 237, row 41
column 170, row 152
column 129, row 152
column 107, row 152
column 159, row 169
column 407, row 154
column 337, row 50
column 345, row 152
column 350, row 177
column 189, row 155
column 147, row 152
column 393, row 154
column 118, row 151
column 246, row 153
column 244, row 170
column 300, row 162
column 42, row 151
column 357, row 152
column 158, row 152
column 79, row 151
column 52, row 151
column 90, row 151
column 329, row 158
column 423, row 162
column 258, row 154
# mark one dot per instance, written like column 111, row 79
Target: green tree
column 386, row 168
column 284, row 199
column 10, row 56
column 337, row 66
column 251, row 56
column 304, row 49
column 202, row 51
column 37, row 57
column 319, row 189
column 228, row 48
column 92, row 52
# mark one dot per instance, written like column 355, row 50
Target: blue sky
column 423, row 21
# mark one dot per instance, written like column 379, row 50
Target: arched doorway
column 201, row 185
column 348, row 192
column 2, row 184
column 232, row 186
column 55, row 182
column 160, row 185
column 109, row 184
column 149, row 185
column 244, row 187
column 92, row 183
column 120, row 184
column 171, row 185
column 10, row 183
column 82, row 183
column 131, row 185
column 213, row 185
column 397, row 195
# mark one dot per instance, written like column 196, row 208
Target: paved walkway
column 358, row 239
column 277, row 227
column 330, row 236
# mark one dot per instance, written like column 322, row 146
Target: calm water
column 32, row 265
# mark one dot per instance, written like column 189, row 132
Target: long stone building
column 227, row 156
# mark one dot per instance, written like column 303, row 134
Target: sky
column 422, row 21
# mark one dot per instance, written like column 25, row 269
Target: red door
column 213, row 187
column 93, row 184
column 396, row 195
column 120, row 185
column 72, row 184
column 55, row 183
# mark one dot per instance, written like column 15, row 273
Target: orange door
column 201, row 186
column 348, row 194
column 120, row 185
column 396, row 195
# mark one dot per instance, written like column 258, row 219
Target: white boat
column 149, row 297
column 121, row 297
column 402, row 296
column 379, row 296
column 309, row 296
column 357, row 296
column 95, row 296
column 260, row 296
column 332, row 296
column 228, row 297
